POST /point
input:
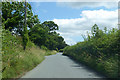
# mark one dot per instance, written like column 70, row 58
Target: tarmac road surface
column 60, row 66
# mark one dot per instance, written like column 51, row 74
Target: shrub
column 44, row 48
column 101, row 51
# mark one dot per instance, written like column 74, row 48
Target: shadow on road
column 80, row 65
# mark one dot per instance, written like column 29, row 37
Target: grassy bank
column 15, row 60
column 24, row 61
column 99, row 52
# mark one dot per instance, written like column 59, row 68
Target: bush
column 101, row 51
column 61, row 50
column 30, row 44
column 44, row 48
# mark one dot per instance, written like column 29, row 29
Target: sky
column 75, row 19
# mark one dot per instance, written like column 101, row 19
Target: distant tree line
column 42, row 34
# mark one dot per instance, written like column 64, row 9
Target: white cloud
column 72, row 0
column 63, row 0
column 79, row 5
column 70, row 28
column 86, row 0
column 70, row 41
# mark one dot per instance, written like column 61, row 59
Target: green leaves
column 25, row 37
column 100, row 50
column 44, row 35
column 13, row 15
column 51, row 25
column 38, row 35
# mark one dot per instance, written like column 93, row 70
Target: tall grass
column 15, row 60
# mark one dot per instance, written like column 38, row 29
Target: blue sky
column 50, row 10
column 76, row 18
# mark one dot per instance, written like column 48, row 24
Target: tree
column 96, row 32
column 50, row 25
column 13, row 15
column 61, row 42
column 105, row 30
column 25, row 37
column 45, row 35
column 38, row 35
column 25, row 32
column 54, row 41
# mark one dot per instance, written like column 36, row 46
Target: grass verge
column 24, row 61
column 16, row 61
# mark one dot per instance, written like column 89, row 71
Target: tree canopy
column 13, row 15
column 42, row 34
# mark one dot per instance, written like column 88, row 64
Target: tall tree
column 38, row 35
column 13, row 15
column 50, row 25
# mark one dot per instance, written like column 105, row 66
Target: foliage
column 25, row 37
column 44, row 48
column 45, row 35
column 100, row 50
column 50, row 25
column 15, row 60
column 61, row 50
column 38, row 35
column 55, row 42
column 13, row 15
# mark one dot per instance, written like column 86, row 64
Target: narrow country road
column 59, row 66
